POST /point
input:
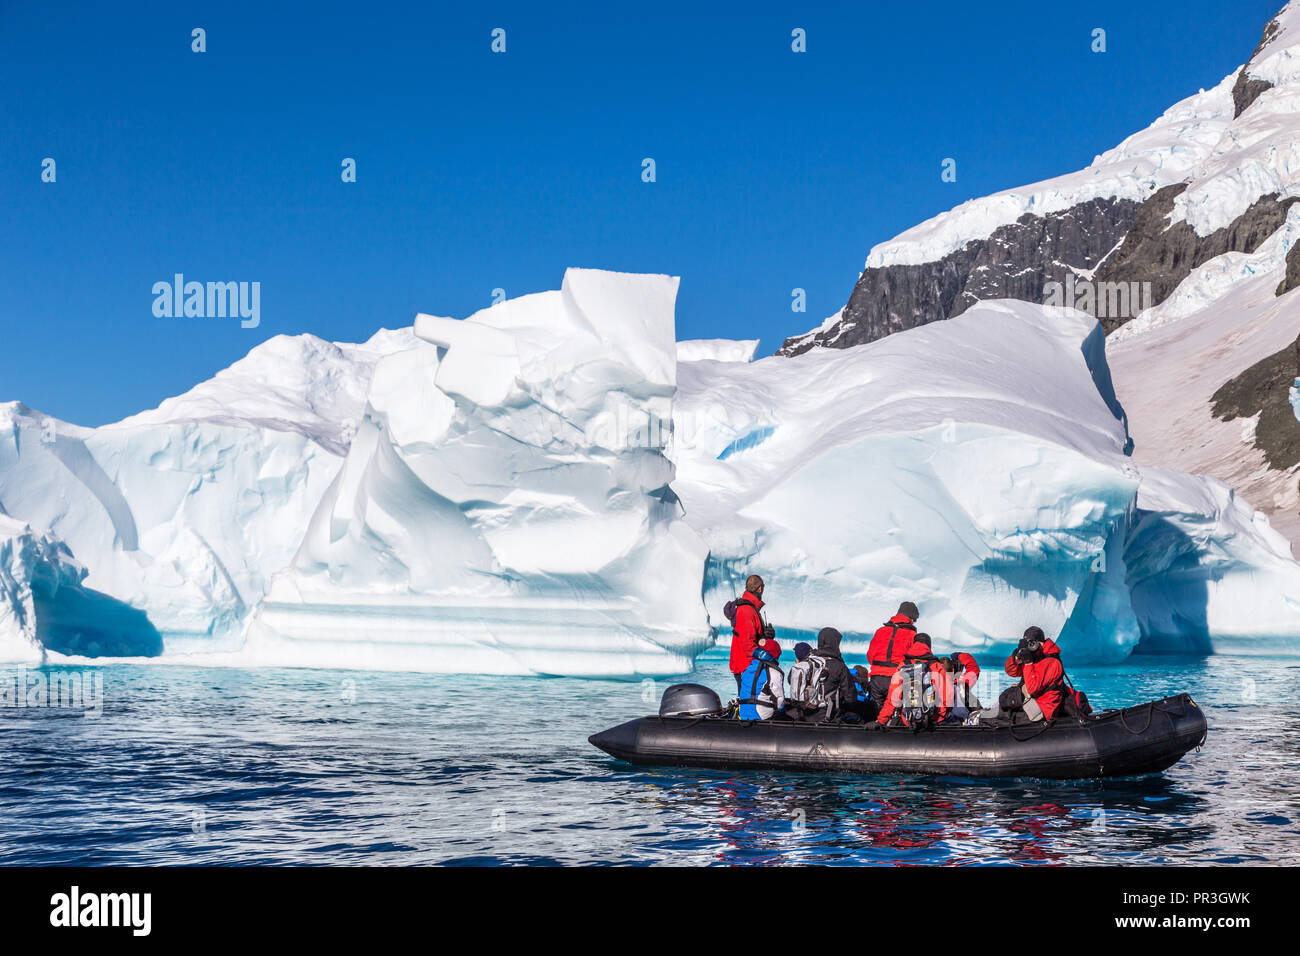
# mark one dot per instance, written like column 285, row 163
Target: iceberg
column 717, row 350
column 554, row 486
column 33, row 565
column 974, row 466
column 184, row 512
column 506, row 505
column 1207, row 572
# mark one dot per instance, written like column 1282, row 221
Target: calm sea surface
column 197, row 766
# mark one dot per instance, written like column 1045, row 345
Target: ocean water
column 185, row 765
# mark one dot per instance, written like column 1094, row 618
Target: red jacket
column 944, row 692
column 745, row 632
column 1044, row 678
column 889, row 645
column 971, row 672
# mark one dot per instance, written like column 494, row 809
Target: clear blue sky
column 775, row 170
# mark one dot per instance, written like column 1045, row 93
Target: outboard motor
column 689, row 700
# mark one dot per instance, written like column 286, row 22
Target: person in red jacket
column 747, row 627
column 890, row 643
column 1038, row 696
column 965, row 673
column 940, row 681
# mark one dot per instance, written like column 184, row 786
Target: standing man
column 891, row 642
column 747, row 627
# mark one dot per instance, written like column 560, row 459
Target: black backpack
column 729, row 609
column 1074, row 703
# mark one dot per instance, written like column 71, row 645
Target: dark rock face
column 1264, row 390
column 1133, row 243
column 1165, row 255
column 1015, row 262
column 1246, row 90
column 1292, row 280
column 1124, row 241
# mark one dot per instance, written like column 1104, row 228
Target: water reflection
column 196, row 766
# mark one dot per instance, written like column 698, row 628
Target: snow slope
column 1169, row 363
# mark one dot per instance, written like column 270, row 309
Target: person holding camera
column 747, row 627
column 1041, row 691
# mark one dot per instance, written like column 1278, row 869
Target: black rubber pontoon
column 1147, row 738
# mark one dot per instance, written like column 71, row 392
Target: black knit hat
column 1034, row 634
column 922, row 639
column 908, row 609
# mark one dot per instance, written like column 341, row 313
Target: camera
column 1029, row 650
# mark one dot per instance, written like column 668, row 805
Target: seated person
column 864, row 706
column 800, row 674
column 921, row 691
column 762, row 684
column 832, row 681
column 1041, row 691
column 806, row 697
column 965, row 672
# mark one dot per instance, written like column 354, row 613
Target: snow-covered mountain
column 1181, row 240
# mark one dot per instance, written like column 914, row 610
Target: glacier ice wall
column 977, row 467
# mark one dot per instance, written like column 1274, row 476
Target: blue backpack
column 754, row 682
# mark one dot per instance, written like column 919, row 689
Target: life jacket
column 754, row 683
column 886, row 650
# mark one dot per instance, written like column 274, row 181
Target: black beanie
column 922, row 639
column 1034, row 634
column 908, row 609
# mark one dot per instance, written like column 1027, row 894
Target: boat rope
column 1151, row 713
column 1041, row 727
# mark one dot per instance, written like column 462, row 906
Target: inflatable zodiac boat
column 691, row 731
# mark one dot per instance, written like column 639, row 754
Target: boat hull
column 1145, row 739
